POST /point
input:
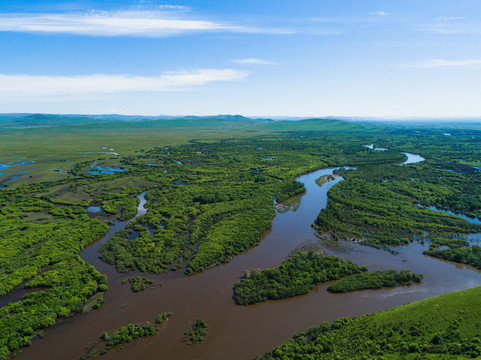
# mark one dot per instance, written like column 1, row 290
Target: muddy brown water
column 237, row 332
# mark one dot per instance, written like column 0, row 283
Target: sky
column 303, row 58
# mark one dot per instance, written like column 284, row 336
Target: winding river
column 237, row 332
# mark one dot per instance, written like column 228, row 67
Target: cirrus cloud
column 17, row 86
column 380, row 13
column 254, row 61
column 436, row 63
column 119, row 23
column 450, row 18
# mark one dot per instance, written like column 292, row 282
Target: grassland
column 77, row 142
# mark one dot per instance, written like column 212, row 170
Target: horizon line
column 278, row 117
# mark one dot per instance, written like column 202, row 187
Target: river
column 237, row 332
column 412, row 158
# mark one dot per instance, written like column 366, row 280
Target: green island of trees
column 374, row 280
column 464, row 255
column 296, row 275
column 324, row 179
column 162, row 317
column 197, row 332
column 137, row 283
column 124, row 335
column 127, row 334
column 437, row 328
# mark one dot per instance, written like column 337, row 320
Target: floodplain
column 191, row 207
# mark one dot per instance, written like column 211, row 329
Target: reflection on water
column 14, row 163
column 106, row 170
column 412, row 158
column 375, row 148
column 467, row 218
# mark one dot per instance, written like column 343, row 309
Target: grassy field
column 60, row 146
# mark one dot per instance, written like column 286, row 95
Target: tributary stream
column 240, row 332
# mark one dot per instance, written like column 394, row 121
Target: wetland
column 198, row 239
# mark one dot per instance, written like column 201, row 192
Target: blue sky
column 414, row 58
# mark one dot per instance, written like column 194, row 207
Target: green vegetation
column 324, row 179
column 44, row 257
column 296, row 275
column 98, row 303
column 124, row 335
column 93, row 135
column 210, row 184
column 197, row 332
column 374, row 280
column 445, row 326
column 162, row 317
column 380, row 205
column 124, row 201
column 224, row 208
column 289, row 189
column 386, row 204
column 466, row 255
column 214, row 205
column 138, row 283
column 127, row 334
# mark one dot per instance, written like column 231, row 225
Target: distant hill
column 317, row 125
column 14, row 120
column 217, row 122
column 35, row 120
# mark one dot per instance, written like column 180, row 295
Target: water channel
column 237, row 332
column 412, row 158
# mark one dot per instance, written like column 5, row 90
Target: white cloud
column 140, row 23
column 454, row 30
column 380, row 13
column 254, row 61
column 449, row 27
column 122, row 23
column 450, row 18
column 436, row 63
column 38, row 86
column 174, row 7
